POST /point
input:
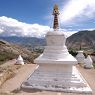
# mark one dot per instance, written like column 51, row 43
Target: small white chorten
column 88, row 62
column 20, row 60
column 80, row 57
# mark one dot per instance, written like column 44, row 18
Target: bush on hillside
column 73, row 53
column 4, row 56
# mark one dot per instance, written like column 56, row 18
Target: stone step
column 55, row 78
column 58, row 83
column 53, row 72
column 53, row 75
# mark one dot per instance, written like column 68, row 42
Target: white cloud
column 12, row 27
column 67, row 33
column 75, row 9
column 1, row 31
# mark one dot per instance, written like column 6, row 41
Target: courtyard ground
column 13, row 85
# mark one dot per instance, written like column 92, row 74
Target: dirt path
column 16, row 81
column 89, row 75
column 13, row 85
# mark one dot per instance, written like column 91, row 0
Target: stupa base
column 57, row 81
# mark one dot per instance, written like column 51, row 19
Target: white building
column 56, row 70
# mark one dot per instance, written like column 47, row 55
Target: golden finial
column 55, row 9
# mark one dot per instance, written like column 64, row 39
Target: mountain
column 29, row 42
column 10, row 51
column 82, row 39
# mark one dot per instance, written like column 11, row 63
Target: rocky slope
column 10, row 51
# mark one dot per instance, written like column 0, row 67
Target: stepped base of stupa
column 57, row 79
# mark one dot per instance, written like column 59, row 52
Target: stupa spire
column 55, row 13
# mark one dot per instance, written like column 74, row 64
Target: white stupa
column 56, row 70
column 88, row 62
column 80, row 57
column 19, row 60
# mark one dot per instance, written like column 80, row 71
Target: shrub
column 4, row 56
column 73, row 53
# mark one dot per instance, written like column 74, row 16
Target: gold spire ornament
column 55, row 13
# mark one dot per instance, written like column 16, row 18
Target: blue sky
column 30, row 11
column 75, row 15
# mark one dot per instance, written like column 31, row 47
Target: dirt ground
column 13, row 85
